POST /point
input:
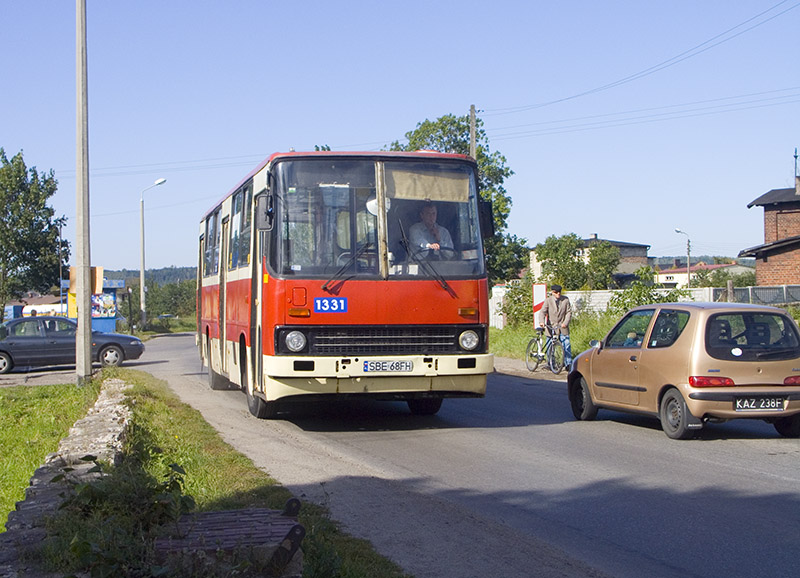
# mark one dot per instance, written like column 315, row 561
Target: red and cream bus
column 315, row 281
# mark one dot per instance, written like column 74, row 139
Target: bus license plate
column 758, row 403
column 388, row 366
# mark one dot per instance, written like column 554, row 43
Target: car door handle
column 632, row 358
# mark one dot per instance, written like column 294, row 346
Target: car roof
column 42, row 317
column 712, row 307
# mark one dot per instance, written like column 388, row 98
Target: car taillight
column 710, row 381
column 792, row 380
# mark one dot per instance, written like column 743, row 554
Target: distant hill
column 666, row 262
column 163, row 276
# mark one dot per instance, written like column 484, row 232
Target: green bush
column 518, row 302
column 589, row 325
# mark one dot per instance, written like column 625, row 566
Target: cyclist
column 557, row 311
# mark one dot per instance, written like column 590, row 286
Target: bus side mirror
column 486, row 216
column 265, row 212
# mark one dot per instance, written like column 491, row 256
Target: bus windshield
column 376, row 219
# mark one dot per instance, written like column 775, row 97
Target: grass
column 110, row 528
column 32, row 422
column 512, row 341
column 161, row 325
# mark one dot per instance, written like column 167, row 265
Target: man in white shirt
column 428, row 235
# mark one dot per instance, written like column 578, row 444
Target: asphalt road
column 510, row 485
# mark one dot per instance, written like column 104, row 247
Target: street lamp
column 143, row 315
column 688, row 257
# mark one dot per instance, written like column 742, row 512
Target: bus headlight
column 468, row 340
column 295, row 341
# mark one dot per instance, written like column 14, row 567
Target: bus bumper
column 446, row 376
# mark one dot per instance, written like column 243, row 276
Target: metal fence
column 598, row 300
column 775, row 295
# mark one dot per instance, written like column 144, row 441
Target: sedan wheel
column 111, row 356
column 5, row 362
column 788, row 427
column 675, row 416
column 583, row 408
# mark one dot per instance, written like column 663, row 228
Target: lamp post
column 688, row 257
column 142, row 314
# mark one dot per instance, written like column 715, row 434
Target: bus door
column 223, row 268
column 262, row 224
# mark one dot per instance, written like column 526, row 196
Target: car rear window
column 751, row 336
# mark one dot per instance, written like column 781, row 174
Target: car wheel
column 788, row 427
column 425, row 406
column 6, row 364
column 675, row 416
column 583, row 408
column 111, row 356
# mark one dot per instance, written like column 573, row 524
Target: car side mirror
column 598, row 345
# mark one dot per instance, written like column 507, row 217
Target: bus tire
column 425, row 405
column 216, row 381
column 260, row 408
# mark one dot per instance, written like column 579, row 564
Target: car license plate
column 388, row 366
column 758, row 403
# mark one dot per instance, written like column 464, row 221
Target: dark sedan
column 36, row 341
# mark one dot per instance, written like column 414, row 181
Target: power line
column 656, row 108
column 172, row 166
column 561, row 126
column 699, row 49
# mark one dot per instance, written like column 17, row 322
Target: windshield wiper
column 429, row 269
column 776, row 353
column 338, row 275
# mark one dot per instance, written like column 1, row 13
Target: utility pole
column 83, row 343
column 472, row 145
column 688, row 257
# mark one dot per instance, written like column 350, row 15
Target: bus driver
column 428, row 235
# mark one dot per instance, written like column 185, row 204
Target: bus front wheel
column 259, row 407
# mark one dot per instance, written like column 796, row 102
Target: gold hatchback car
column 692, row 363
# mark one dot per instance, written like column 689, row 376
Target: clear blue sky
column 625, row 119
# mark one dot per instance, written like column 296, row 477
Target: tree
column 720, row 278
column 29, row 235
column 643, row 292
column 506, row 254
column 172, row 298
column 603, row 262
column 562, row 262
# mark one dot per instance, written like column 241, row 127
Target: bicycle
column 543, row 349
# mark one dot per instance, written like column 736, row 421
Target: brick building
column 778, row 259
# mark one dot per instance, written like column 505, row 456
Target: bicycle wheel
column 555, row 355
column 533, row 354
